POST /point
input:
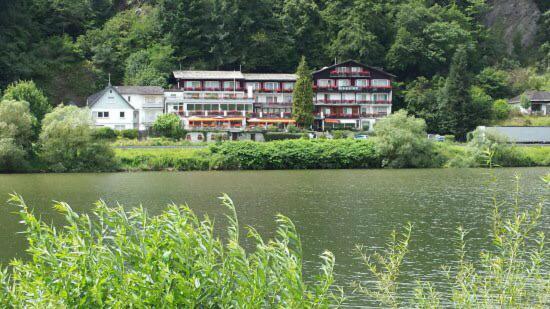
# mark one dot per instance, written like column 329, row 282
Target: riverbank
column 299, row 154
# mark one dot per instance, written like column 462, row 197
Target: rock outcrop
column 514, row 19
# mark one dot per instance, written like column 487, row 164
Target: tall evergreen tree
column 302, row 102
column 455, row 101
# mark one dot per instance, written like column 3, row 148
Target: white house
column 127, row 107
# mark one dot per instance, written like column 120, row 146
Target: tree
column 401, row 141
column 525, row 103
column 169, row 125
column 302, row 102
column 28, row 91
column 453, row 112
column 16, row 124
column 149, row 67
column 422, row 98
column 501, row 109
column 68, row 144
column 494, row 82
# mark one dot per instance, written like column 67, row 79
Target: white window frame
column 272, row 85
column 288, row 86
column 255, row 85
column 192, row 84
column 325, row 83
column 364, row 82
column 103, row 115
column 348, row 82
column 212, row 84
column 380, row 82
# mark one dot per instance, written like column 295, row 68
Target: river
column 333, row 209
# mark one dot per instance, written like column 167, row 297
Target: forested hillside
column 69, row 47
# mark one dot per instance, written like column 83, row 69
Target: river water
column 333, row 209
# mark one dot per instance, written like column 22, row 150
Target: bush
column 185, row 159
column 116, row 258
column 501, row 109
column 294, row 154
column 169, row 125
column 104, row 133
column 338, row 134
column 129, row 133
column 276, row 136
column 12, row 156
column 68, row 145
column 401, row 141
column 488, row 149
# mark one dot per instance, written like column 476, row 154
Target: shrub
column 16, row 122
column 27, row 91
column 12, row 156
column 104, row 133
column 487, row 148
column 276, row 136
column 169, row 125
column 116, row 258
column 294, row 154
column 129, row 133
column 401, row 141
column 501, row 109
column 68, row 145
column 338, row 134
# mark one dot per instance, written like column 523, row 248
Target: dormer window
column 341, row 69
column 356, row 69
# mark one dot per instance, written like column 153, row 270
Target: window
column 380, row 82
column 327, row 111
column 190, row 84
column 122, row 115
column 378, row 97
column 254, row 85
column 210, row 85
column 271, row 85
column 341, row 69
column 230, row 85
column 356, row 69
column 102, row 114
column 344, row 82
column 363, row 97
column 288, row 86
column 325, row 83
column 362, row 82
column 271, row 99
column 348, row 111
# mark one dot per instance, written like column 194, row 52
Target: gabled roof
column 269, row 76
column 144, row 90
column 533, row 96
column 380, row 70
column 92, row 100
column 208, row 75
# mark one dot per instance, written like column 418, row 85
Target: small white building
column 540, row 102
column 127, row 107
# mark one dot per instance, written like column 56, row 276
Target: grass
column 182, row 159
column 153, row 141
column 525, row 121
column 292, row 154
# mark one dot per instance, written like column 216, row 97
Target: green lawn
column 525, row 121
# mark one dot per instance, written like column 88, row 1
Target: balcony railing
column 349, row 73
column 327, row 102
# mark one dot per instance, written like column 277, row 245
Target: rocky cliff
column 514, row 19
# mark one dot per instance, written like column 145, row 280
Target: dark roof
column 380, row 70
column 94, row 97
column 533, row 96
column 146, row 90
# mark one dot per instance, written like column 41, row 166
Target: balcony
column 269, row 90
column 205, row 113
column 350, row 102
column 349, row 73
column 342, row 116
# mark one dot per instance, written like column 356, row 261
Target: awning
column 271, row 120
column 332, row 121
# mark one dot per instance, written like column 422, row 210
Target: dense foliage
column 169, row 125
column 118, row 258
column 68, row 144
column 302, row 100
column 401, row 142
column 16, row 132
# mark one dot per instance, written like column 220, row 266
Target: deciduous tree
column 302, row 102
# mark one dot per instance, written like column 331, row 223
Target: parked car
column 361, row 136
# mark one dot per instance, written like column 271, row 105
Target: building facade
column 351, row 95
column 540, row 102
column 230, row 99
column 127, row 107
column 346, row 95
